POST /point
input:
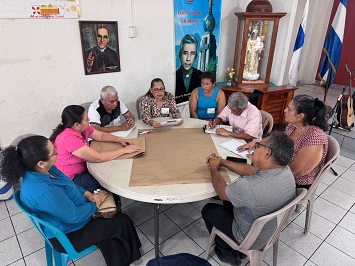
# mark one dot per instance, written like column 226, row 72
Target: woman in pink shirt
column 71, row 140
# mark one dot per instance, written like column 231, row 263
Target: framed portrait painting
column 99, row 43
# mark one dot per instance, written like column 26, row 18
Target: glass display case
column 254, row 48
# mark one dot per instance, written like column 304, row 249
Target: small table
column 115, row 175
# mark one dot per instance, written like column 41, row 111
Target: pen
column 145, row 132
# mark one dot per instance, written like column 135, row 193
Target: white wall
column 41, row 67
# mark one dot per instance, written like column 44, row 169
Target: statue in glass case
column 252, row 56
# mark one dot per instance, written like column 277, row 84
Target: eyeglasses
column 258, row 145
column 233, row 111
column 105, row 37
column 159, row 90
column 55, row 152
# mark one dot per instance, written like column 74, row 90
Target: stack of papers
column 232, row 146
column 213, row 130
column 170, row 122
column 123, row 133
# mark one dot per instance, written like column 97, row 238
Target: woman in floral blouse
column 158, row 103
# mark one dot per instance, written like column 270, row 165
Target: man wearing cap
column 105, row 113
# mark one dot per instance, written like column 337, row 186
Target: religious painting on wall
column 99, row 43
column 197, row 32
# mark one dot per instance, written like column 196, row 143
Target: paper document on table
column 213, row 130
column 170, row 122
column 232, row 146
column 123, row 133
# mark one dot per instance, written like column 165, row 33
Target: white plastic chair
column 139, row 106
column 256, row 256
column 266, row 119
column 86, row 105
column 331, row 158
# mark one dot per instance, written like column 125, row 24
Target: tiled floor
column 331, row 240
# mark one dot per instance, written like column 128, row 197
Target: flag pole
column 326, row 87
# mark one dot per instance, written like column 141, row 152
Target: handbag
column 108, row 208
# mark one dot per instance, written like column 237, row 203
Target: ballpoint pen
column 145, row 132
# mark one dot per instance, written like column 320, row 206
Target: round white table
column 115, row 175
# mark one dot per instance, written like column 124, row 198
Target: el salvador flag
column 297, row 50
column 332, row 47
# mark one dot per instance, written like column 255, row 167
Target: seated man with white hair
column 105, row 113
column 244, row 117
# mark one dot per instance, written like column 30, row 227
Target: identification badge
column 211, row 110
column 165, row 111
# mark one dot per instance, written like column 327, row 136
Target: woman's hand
column 125, row 142
column 97, row 198
column 131, row 148
column 180, row 122
column 154, row 123
column 247, row 146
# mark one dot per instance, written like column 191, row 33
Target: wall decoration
column 99, row 42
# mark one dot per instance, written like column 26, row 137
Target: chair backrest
column 139, row 106
column 331, row 157
column 86, row 105
column 266, row 119
column 281, row 217
column 40, row 225
column 21, row 137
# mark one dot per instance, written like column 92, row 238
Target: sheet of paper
column 213, row 130
column 232, row 146
column 123, row 133
column 170, row 122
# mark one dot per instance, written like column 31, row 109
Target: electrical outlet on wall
column 132, row 32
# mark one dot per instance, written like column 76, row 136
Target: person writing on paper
column 244, row 117
column 158, row 103
column 262, row 189
column 71, row 140
column 207, row 101
column 105, row 113
column 307, row 124
column 51, row 196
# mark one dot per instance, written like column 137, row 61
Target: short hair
column 314, row 111
column 238, row 99
column 106, row 91
column 281, row 146
column 187, row 39
column 103, row 26
column 208, row 75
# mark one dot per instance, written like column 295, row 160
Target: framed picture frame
column 99, row 43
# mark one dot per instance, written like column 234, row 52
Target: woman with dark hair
column 307, row 124
column 50, row 195
column 207, row 101
column 158, row 103
column 71, row 140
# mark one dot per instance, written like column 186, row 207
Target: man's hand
column 130, row 122
column 247, row 146
column 212, row 124
column 90, row 61
column 213, row 161
column 222, row 132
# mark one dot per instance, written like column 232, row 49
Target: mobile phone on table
column 236, row 159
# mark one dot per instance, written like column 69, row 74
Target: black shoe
column 228, row 256
column 216, row 198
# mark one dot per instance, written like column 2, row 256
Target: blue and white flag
column 297, row 50
column 332, row 47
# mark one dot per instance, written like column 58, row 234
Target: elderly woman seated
column 244, row 117
column 158, row 103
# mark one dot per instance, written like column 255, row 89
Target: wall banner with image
column 197, row 32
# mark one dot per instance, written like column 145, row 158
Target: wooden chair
column 256, row 256
column 331, row 158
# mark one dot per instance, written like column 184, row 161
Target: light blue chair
column 59, row 258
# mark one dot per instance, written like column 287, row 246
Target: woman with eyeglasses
column 71, row 140
column 50, row 195
column 158, row 103
column 207, row 101
column 307, row 124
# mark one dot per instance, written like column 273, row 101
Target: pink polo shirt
column 67, row 142
column 249, row 121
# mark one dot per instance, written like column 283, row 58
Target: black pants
column 116, row 238
column 221, row 217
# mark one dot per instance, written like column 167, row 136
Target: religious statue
column 252, row 56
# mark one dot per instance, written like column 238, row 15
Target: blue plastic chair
column 59, row 258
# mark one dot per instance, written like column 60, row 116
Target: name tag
column 211, row 110
column 164, row 111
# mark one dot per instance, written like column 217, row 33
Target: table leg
column 156, row 229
